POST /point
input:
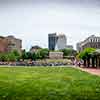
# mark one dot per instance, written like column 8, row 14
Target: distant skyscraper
column 52, row 40
column 56, row 41
column 61, row 42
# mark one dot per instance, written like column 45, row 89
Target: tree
column 37, row 54
column 85, row 55
column 23, row 55
column 3, row 56
column 40, row 54
column 11, row 57
column 69, row 52
column 28, row 55
column 44, row 53
column 34, row 56
column 17, row 54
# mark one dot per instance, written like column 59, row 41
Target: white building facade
column 61, row 42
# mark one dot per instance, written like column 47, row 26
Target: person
column 79, row 63
column 75, row 62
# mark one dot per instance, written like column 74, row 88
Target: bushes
column 10, row 56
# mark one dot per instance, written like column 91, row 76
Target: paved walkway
column 93, row 71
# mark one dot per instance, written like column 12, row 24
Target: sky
column 33, row 20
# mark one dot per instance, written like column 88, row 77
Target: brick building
column 14, row 43
column 10, row 43
column 3, row 44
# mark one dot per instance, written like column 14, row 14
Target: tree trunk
column 88, row 62
column 96, row 62
column 84, row 62
column 93, row 62
column 99, row 61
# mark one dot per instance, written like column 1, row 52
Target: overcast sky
column 32, row 20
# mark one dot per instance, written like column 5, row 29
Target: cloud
column 52, row 1
column 33, row 23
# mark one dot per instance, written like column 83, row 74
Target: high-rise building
column 90, row 42
column 52, row 40
column 56, row 41
column 61, row 42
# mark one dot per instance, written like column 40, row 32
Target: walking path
column 93, row 71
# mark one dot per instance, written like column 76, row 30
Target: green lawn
column 48, row 83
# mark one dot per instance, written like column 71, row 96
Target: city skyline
column 33, row 20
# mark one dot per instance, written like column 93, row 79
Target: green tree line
column 39, row 54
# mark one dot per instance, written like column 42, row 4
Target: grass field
column 48, row 83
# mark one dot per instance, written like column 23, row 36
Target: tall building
column 56, row 41
column 61, row 42
column 90, row 42
column 10, row 43
column 52, row 40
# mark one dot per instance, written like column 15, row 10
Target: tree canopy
column 10, row 56
column 86, row 53
column 69, row 52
